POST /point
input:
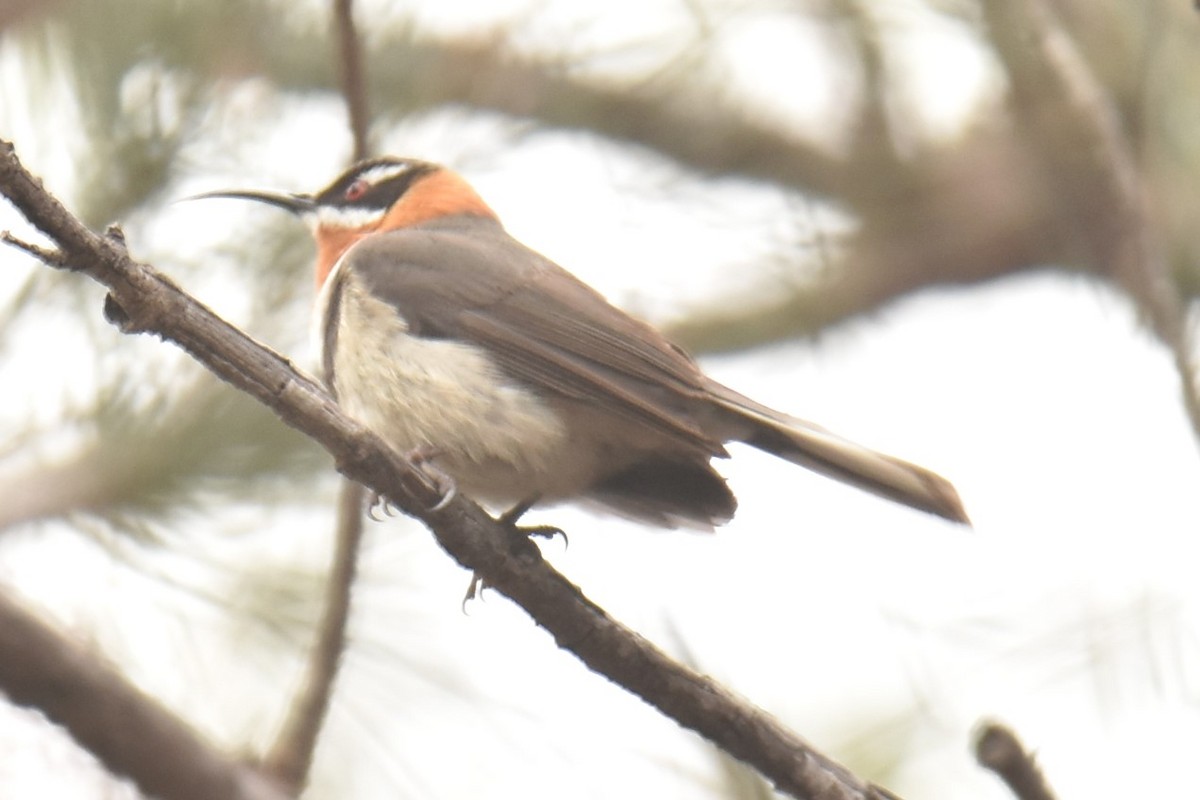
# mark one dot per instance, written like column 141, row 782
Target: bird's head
column 373, row 196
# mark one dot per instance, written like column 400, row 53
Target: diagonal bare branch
column 143, row 300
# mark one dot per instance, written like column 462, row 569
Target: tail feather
column 817, row 449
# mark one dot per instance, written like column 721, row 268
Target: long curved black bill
column 296, row 203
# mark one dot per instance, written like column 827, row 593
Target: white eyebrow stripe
column 377, row 175
column 348, row 217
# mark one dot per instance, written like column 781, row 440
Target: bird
column 460, row 346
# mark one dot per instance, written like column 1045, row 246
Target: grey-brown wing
column 471, row 281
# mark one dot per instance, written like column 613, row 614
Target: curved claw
column 449, row 493
column 545, row 532
column 509, row 519
column 422, row 459
column 474, row 590
column 378, row 501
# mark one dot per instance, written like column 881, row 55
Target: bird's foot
column 475, row 589
column 422, row 458
column 521, row 535
column 510, row 518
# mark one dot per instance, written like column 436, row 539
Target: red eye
column 356, row 190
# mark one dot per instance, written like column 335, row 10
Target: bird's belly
column 499, row 440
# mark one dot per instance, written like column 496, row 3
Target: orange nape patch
column 439, row 194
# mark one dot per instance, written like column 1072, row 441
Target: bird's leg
column 509, row 520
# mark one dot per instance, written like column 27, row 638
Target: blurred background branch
column 350, row 72
column 128, row 731
column 290, row 757
column 997, row 748
column 1092, row 170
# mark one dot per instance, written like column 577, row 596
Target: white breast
column 499, row 440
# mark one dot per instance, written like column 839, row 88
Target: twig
column 350, row 75
column 290, row 758
column 45, row 255
column 999, row 750
column 509, row 563
column 129, row 732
